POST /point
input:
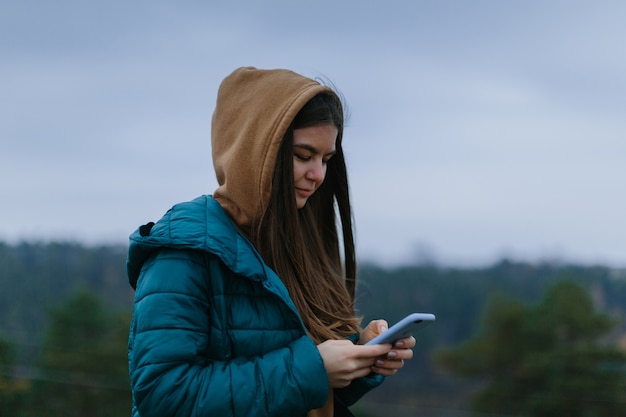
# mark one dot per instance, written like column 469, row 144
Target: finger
column 372, row 351
column 375, row 324
column 373, row 329
column 384, row 371
column 405, row 343
column 381, row 326
column 404, row 354
column 389, row 364
column 362, row 372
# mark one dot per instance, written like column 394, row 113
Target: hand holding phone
column 404, row 328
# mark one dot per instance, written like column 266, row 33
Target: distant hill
column 36, row 276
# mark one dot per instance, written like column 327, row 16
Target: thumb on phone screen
column 373, row 329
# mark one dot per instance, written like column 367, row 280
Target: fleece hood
column 253, row 111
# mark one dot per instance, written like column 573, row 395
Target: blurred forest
column 511, row 339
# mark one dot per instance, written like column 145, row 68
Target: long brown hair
column 303, row 246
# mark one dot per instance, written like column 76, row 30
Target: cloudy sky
column 478, row 129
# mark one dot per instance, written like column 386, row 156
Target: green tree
column 83, row 365
column 544, row 360
column 13, row 390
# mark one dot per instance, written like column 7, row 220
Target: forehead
column 320, row 137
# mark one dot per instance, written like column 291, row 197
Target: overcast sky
column 478, row 129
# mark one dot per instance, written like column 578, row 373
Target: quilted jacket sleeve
column 169, row 370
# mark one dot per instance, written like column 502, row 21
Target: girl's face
column 313, row 146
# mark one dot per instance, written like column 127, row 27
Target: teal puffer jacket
column 214, row 331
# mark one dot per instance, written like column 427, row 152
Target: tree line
column 513, row 339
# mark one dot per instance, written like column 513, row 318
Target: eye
column 302, row 157
column 325, row 160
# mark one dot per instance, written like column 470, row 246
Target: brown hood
column 253, row 111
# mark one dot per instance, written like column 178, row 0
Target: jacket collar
column 200, row 224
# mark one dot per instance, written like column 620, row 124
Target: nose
column 317, row 172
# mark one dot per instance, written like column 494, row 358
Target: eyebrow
column 313, row 150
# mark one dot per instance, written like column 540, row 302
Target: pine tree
column 544, row 360
column 83, row 366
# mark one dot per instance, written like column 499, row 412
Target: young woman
column 244, row 302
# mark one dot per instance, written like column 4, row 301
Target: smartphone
column 404, row 328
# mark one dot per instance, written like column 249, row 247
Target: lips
column 303, row 192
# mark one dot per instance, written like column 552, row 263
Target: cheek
column 324, row 171
column 298, row 170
